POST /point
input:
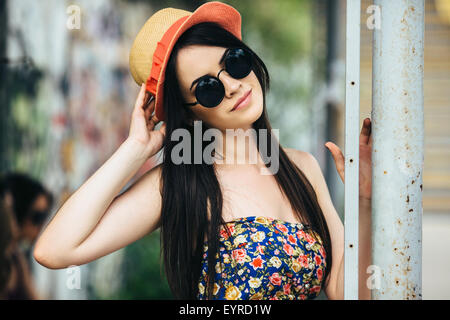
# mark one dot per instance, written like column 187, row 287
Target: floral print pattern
column 263, row 258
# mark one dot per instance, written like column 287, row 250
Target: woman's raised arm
column 95, row 220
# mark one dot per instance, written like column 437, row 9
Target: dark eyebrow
column 220, row 62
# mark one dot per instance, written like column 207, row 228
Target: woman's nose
column 231, row 84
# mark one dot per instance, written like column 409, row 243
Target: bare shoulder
column 306, row 162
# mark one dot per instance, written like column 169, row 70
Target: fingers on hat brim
column 153, row 121
column 149, row 102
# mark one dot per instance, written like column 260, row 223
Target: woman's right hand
column 143, row 124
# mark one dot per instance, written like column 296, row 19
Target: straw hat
column 153, row 44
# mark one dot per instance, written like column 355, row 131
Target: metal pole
column 397, row 155
column 351, row 186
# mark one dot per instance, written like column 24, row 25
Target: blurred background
column 66, row 97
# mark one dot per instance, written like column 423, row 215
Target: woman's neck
column 237, row 147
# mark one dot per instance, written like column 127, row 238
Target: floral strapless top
column 266, row 259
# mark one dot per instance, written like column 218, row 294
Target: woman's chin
column 244, row 117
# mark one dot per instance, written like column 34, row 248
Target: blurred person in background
column 15, row 276
column 25, row 204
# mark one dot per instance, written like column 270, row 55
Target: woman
column 270, row 235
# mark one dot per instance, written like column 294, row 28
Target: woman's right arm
column 95, row 220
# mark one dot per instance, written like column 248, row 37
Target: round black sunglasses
column 210, row 90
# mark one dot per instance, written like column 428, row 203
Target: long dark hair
column 191, row 191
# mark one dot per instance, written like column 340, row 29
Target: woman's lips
column 244, row 102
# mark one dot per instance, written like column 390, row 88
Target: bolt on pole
column 398, row 148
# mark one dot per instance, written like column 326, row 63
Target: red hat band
column 160, row 53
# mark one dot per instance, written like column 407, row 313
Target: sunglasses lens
column 210, row 92
column 238, row 63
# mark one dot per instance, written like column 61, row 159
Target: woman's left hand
column 365, row 160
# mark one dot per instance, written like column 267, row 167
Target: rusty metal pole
column 398, row 149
